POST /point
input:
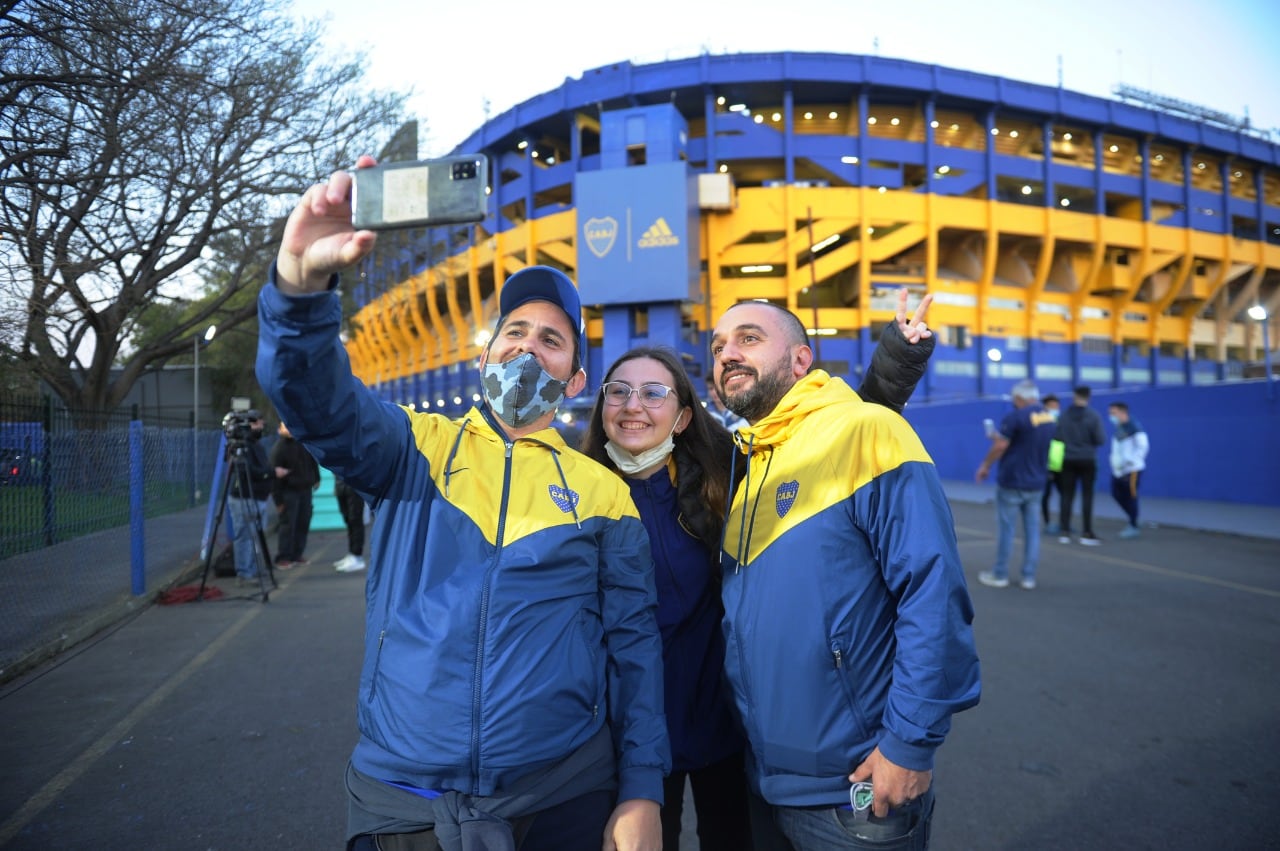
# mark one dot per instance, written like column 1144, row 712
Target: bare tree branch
column 147, row 149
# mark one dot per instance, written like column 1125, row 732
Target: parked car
column 18, row 467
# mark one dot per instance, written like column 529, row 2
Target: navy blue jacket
column 700, row 722
column 510, row 601
column 848, row 623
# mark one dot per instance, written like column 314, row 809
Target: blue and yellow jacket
column 847, row 618
column 510, row 602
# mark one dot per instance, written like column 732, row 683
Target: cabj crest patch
column 600, row 234
column 565, row 500
column 786, row 497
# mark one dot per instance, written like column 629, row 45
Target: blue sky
column 459, row 57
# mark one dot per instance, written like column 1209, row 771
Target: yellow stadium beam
column 429, row 345
column 1093, row 271
column 1248, row 293
column 478, row 318
column 462, row 350
column 1044, row 265
column 393, row 343
column 368, row 340
column 368, row 335
column 1160, row 307
column 409, row 350
column 864, row 261
column 990, row 259
column 796, row 235
column 358, row 357
column 385, row 339
column 1223, row 278
column 437, row 322
column 931, row 242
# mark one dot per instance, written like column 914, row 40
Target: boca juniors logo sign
column 600, row 234
column 786, row 497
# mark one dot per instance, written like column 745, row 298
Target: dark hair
column 1049, row 398
column 702, row 451
column 792, row 327
column 1119, row 405
column 577, row 338
column 1083, row 392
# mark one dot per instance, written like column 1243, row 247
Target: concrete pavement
column 1129, row 702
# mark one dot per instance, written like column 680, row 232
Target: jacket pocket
column 589, row 673
column 845, row 673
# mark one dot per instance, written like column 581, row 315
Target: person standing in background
column 1129, row 447
column 1054, row 485
column 1080, row 430
column 351, row 504
column 297, row 475
column 1021, row 444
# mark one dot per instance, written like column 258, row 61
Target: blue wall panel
column 1219, row 442
column 637, row 234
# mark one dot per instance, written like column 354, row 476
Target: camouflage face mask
column 520, row 390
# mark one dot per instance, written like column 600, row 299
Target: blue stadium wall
column 1076, row 239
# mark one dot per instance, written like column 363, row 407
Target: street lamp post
column 1259, row 313
column 196, row 342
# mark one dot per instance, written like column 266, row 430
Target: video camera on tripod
column 238, row 485
column 237, row 424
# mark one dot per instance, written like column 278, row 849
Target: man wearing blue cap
column 511, row 696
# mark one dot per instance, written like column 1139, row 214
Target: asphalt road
column 1131, row 701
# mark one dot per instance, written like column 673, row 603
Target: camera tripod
column 238, row 472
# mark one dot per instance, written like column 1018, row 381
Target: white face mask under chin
column 629, row 464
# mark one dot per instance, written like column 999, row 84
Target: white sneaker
column 989, row 579
column 341, row 564
column 1028, row 584
column 355, row 565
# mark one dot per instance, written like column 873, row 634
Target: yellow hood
column 816, row 390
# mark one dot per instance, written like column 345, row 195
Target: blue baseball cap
column 542, row 283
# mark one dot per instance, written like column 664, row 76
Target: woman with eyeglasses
column 649, row 426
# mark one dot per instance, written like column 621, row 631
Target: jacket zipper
column 484, row 619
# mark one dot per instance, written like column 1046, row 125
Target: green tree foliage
column 149, row 150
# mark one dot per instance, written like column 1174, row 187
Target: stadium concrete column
column 859, row 139
column 989, row 158
column 1050, row 193
column 665, row 320
column 617, row 334
column 1144, row 178
column 1099, row 170
column 1260, row 204
column 788, row 136
column 709, row 116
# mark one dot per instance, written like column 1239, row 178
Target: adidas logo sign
column 658, row 235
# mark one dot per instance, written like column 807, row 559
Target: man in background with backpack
column 1080, row 430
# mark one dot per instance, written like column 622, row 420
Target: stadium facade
column 1065, row 237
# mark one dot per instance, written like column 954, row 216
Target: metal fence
column 71, row 484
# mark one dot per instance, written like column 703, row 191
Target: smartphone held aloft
column 422, row 193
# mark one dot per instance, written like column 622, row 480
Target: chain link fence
column 70, row 482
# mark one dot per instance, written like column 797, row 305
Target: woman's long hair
column 702, row 451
